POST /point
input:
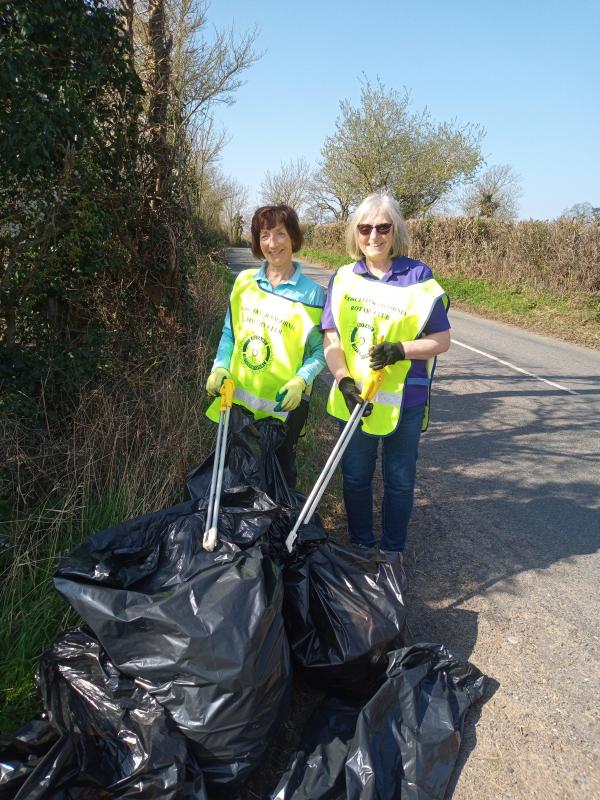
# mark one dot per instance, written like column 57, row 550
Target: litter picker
column 209, row 541
column 312, row 501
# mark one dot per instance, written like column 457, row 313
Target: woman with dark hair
column 271, row 345
column 384, row 311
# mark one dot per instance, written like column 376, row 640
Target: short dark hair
column 269, row 216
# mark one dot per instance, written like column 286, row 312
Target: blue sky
column 528, row 72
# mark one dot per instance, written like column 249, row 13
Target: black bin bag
column 21, row 752
column 401, row 745
column 203, row 632
column 115, row 739
column 343, row 612
column 251, row 460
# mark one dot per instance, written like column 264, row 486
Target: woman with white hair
column 385, row 312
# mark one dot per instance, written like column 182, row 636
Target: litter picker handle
column 226, row 391
column 371, row 387
column 310, row 506
column 209, row 541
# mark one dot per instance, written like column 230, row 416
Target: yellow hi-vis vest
column 270, row 333
column 365, row 312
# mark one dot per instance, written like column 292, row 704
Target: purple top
column 402, row 272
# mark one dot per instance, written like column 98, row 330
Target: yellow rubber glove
column 215, row 379
column 289, row 396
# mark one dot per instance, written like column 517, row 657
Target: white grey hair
column 379, row 201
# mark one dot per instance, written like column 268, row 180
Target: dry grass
column 124, row 452
column 555, row 256
column 541, row 276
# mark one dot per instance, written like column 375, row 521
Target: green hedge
column 557, row 256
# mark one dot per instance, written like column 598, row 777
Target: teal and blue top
column 300, row 288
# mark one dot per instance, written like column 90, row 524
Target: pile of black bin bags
column 181, row 675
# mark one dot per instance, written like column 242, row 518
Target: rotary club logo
column 256, row 352
column 362, row 339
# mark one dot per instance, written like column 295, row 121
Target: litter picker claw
column 312, row 501
column 209, row 542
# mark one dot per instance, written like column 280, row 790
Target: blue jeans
column 399, row 465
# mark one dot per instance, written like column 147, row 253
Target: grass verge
column 124, row 452
column 325, row 258
column 568, row 317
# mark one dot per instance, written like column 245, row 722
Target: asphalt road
column 511, row 469
column 503, row 552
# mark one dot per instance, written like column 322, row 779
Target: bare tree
column 185, row 69
column 494, row 193
column 448, row 205
column 290, row 186
column 205, row 143
column 233, row 211
column 582, row 212
column 205, row 72
column 332, row 197
column 159, row 98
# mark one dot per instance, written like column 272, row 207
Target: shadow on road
column 469, row 737
column 498, row 497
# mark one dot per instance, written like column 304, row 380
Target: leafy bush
column 71, row 187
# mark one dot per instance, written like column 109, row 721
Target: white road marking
column 513, row 366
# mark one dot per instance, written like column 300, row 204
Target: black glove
column 352, row 397
column 386, row 353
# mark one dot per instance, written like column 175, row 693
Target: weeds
column 124, row 452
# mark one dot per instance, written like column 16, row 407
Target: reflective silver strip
column 388, row 399
column 259, row 404
column 385, row 398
